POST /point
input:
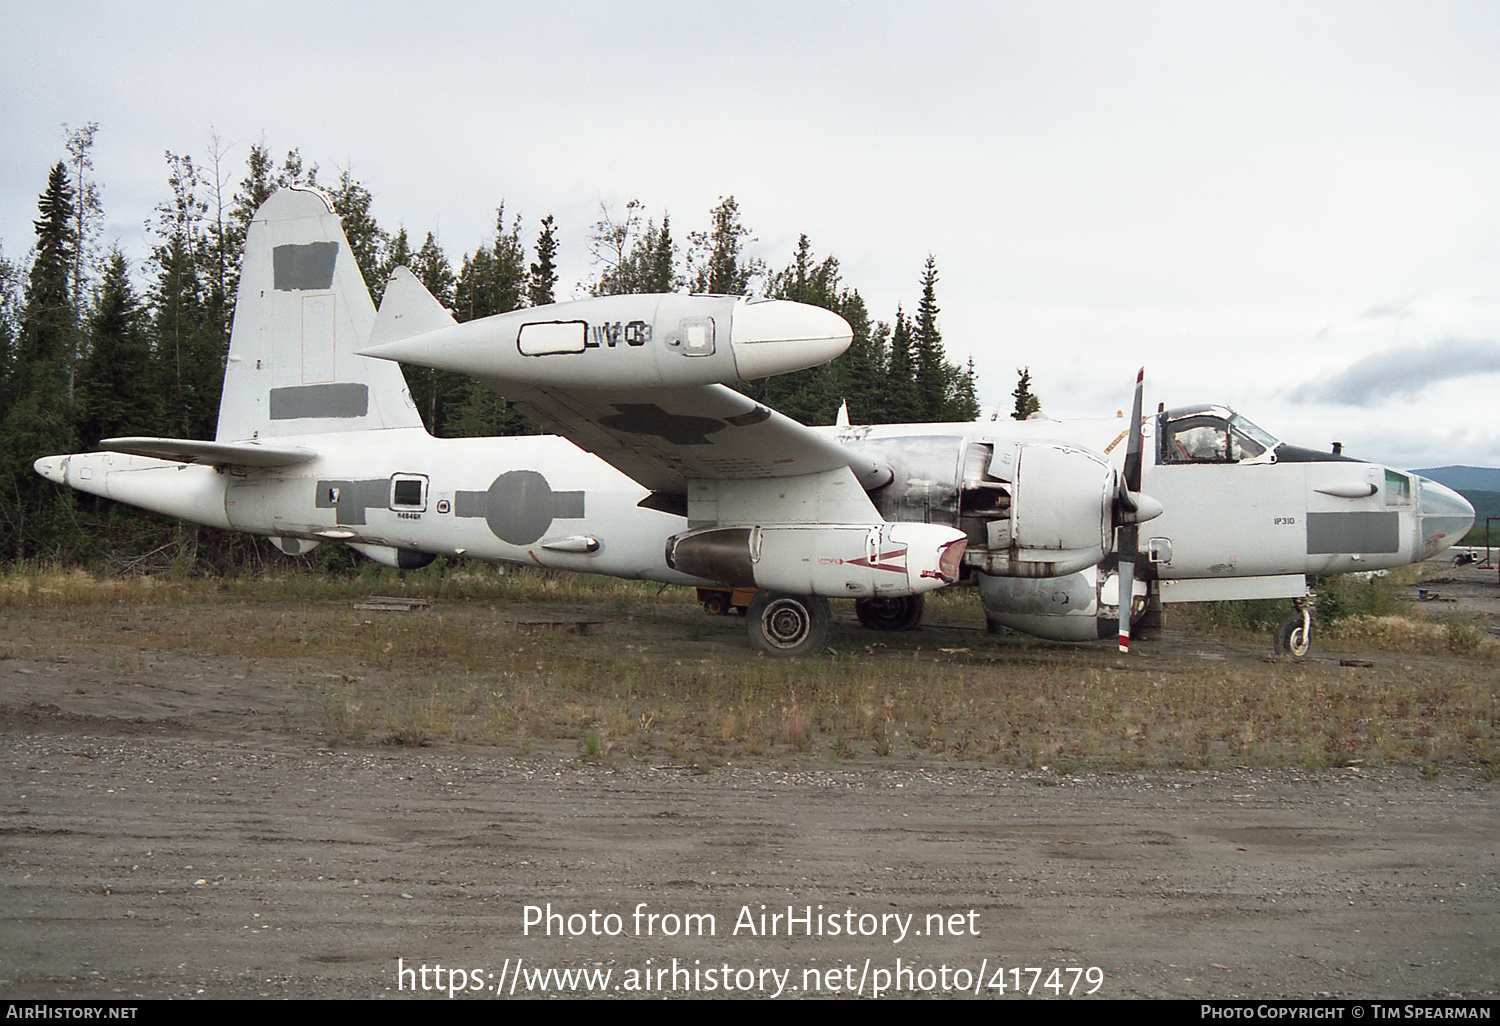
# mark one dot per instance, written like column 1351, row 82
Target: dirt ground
column 167, row 832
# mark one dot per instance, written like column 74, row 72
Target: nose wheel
column 1294, row 636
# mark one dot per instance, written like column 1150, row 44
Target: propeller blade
column 1131, row 508
column 1133, row 446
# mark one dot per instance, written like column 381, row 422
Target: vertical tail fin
column 301, row 313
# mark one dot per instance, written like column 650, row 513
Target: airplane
column 660, row 471
column 1238, row 515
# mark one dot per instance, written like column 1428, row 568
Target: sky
column 1292, row 208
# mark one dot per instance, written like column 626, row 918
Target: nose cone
column 774, row 336
column 53, row 468
column 1444, row 516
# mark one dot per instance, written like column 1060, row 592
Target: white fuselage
column 537, row 500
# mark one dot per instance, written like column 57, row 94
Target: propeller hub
column 1139, row 508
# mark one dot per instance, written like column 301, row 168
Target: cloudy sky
column 1293, row 208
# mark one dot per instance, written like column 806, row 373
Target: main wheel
column 788, row 625
column 1293, row 639
column 890, row 614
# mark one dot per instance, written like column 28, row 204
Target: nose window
column 1397, row 488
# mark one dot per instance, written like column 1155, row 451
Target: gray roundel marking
column 520, row 507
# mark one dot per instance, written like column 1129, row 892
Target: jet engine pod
column 1061, row 513
column 833, row 560
column 610, row 342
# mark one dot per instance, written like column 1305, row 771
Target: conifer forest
column 93, row 347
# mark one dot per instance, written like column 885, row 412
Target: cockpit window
column 1252, row 441
column 1212, row 438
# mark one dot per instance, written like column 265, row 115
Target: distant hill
column 1465, row 479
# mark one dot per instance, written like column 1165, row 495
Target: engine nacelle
column 388, row 555
column 1079, row 607
column 1061, row 510
column 1028, row 509
column 833, row 560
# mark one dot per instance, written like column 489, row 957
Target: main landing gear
column 1294, row 636
column 791, row 625
column 890, row 614
column 788, row 625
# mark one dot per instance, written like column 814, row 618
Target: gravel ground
column 165, row 832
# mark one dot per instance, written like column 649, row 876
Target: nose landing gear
column 1294, row 636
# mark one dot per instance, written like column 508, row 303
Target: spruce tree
column 1026, row 403
column 542, row 281
column 118, row 393
column 255, row 188
column 902, row 400
column 930, row 371
column 49, row 319
column 431, row 266
column 490, row 282
column 659, row 270
column 508, row 284
column 38, row 419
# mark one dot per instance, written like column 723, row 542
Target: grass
column 31, row 584
column 1367, row 613
column 1066, row 711
column 646, row 689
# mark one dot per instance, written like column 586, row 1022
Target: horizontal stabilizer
column 407, row 309
column 218, row 454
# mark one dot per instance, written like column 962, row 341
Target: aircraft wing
column 217, row 454
column 664, row 438
column 641, row 382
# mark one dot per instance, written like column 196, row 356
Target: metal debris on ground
column 390, row 604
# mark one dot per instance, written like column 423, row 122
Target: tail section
column 301, row 313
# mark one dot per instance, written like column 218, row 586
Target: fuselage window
column 409, row 492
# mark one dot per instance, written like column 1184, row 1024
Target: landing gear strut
column 1294, row 636
column 788, row 625
column 890, row 614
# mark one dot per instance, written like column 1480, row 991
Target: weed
column 460, row 672
column 593, row 745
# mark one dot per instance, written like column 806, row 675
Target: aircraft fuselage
column 537, row 500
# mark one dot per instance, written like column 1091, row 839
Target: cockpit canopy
column 1212, row 434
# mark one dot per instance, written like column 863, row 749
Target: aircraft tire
column 1292, row 640
column 890, row 614
column 789, row 625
